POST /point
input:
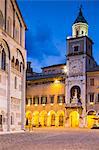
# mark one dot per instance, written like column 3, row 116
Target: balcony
column 73, row 105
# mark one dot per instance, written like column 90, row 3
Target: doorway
column 74, row 119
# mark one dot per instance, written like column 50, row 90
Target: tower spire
column 80, row 26
column 80, row 17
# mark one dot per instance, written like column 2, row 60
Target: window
column 9, row 25
column 43, row 100
column 17, row 64
column 21, row 67
column 29, row 101
column 61, row 99
column 12, row 62
column 0, row 120
column 1, row 19
column 82, row 32
column 3, row 60
column 26, row 101
column 77, row 33
column 92, row 82
column 17, row 34
column 89, row 61
column 98, row 97
column 15, row 84
column 36, row 100
column 51, row 99
column 12, row 119
column 76, row 48
column 91, row 97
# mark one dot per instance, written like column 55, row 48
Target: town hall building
column 66, row 94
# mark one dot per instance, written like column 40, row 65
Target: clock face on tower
column 75, row 67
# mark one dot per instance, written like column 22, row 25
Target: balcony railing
column 73, row 105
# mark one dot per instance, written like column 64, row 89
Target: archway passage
column 43, row 118
column 74, row 119
column 61, row 120
column 35, row 120
column 91, row 118
column 53, row 120
column 28, row 117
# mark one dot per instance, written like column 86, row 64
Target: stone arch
column 22, row 58
column 51, row 118
column 97, row 114
column 4, row 45
column 28, row 117
column 43, row 118
column 91, row 112
column 35, row 118
column 74, row 119
column 60, row 118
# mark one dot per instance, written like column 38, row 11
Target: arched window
column 21, row 67
column 9, row 25
column 12, row 119
column 82, row 32
column 3, row 60
column 77, row 32
column 17, row 34
column 15, row 83
column 13, row 61
column 1, row 19
column 17, row 64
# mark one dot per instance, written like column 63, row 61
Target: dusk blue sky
column 50, row 22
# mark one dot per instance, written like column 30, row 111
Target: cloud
column 41, row 42
column 43, row 49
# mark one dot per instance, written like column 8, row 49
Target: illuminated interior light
column 56, row 81
column 65, row 69
column 36, row 104
column 91, row 103
column 60, row 103
column 52, row 104
column 43, row 104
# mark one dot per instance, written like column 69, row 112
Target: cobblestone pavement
column 51, row 139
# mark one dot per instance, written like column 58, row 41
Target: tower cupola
column 80, row 26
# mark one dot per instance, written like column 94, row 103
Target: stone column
column 23, row 100
column 8, row 96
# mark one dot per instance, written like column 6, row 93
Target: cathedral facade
column 66, row 94
column 12, row 66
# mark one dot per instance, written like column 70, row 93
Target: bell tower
column 79, row 60
column 80, row 26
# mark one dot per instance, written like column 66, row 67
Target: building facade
column 12, row 66
column 66, row 94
